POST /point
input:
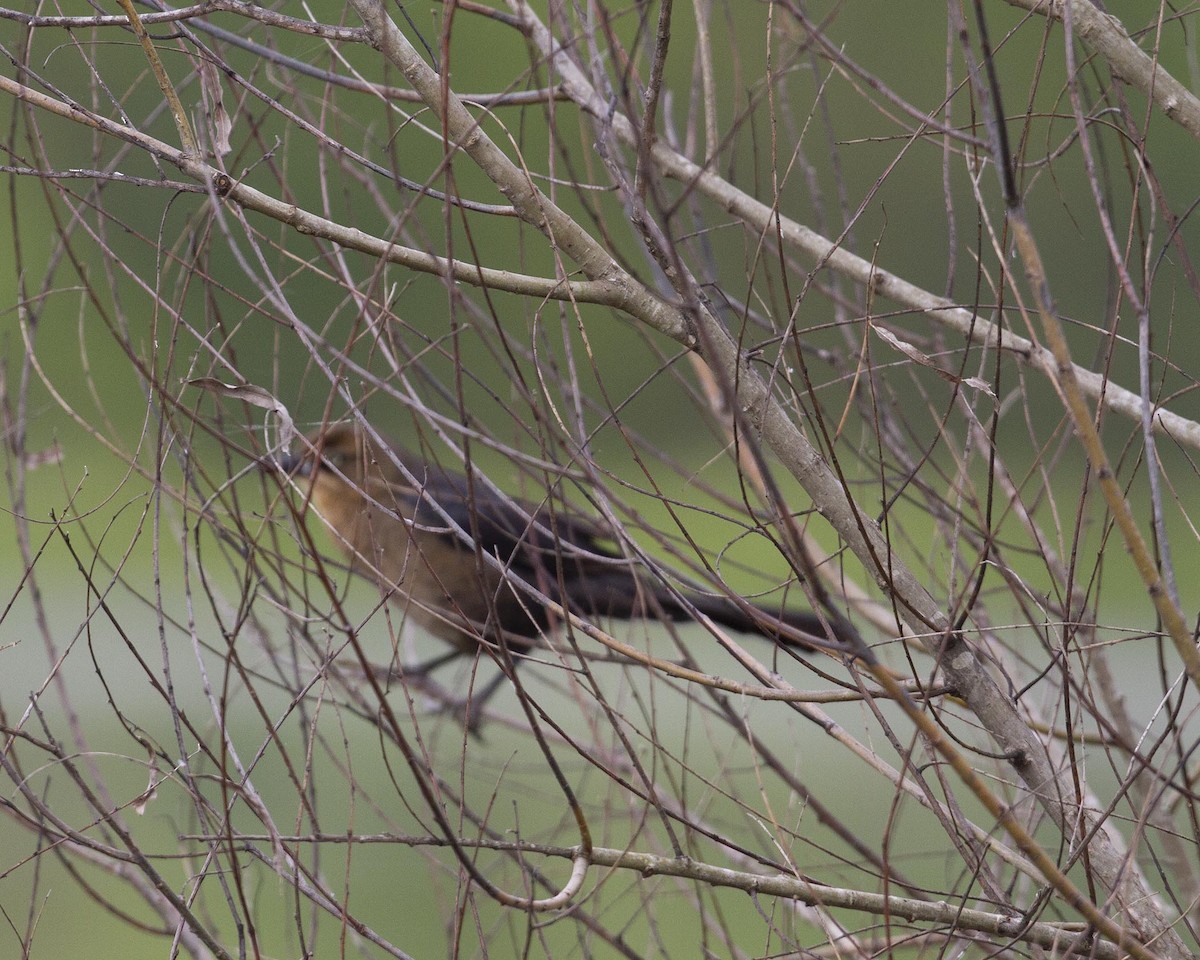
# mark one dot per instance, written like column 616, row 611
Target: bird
column 460, row 557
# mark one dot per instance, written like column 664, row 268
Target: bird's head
column 340, row 460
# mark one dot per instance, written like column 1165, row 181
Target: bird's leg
column 426, row 668
column 477, row 700
column 471, row 707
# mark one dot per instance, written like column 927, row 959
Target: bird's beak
column 294, row 465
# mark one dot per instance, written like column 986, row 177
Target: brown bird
column 455, row 555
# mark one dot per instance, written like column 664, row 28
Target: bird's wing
column 523, row 535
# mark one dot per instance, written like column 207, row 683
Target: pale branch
column 1054, row 936
column 222, row 185
column 823, row 252
column 1106, row 36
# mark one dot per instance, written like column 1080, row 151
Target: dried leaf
column 255, row 396
column 924, row 360
column 220, row 125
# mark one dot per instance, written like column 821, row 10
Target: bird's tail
column 619, row 597
column 789, row 626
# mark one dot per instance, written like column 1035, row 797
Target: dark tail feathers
column 755, row 618
column 617, row 596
